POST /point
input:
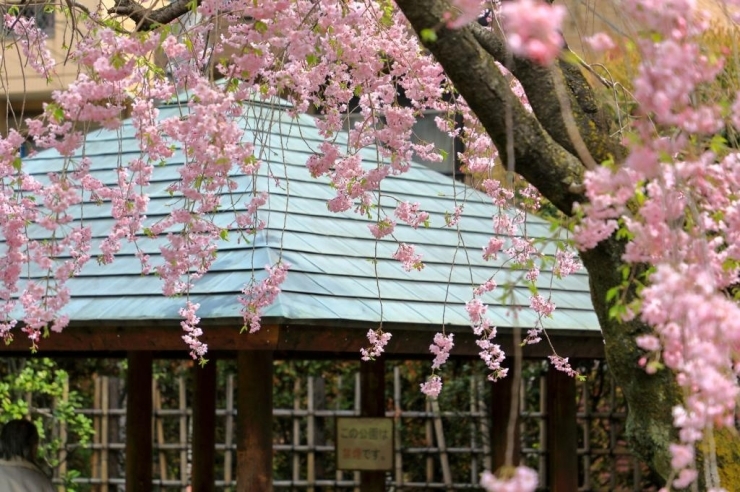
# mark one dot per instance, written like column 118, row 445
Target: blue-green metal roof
column 332, row 275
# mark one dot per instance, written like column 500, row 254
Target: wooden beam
column 372, row 404
column 203, row 477
column 326, row 339
column 157, row 337
column 500, row 408
column 562, row 432
column 254, row 421
column 139, row 422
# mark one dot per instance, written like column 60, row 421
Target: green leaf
column 616, row 311
column 55, row 111
column 260, row 27
column 312, row 60
column 612, row 293
column 428, row 35
column 718, row 144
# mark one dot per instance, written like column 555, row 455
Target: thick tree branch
column 540, row 85
column 147, row 18
column 538, row 158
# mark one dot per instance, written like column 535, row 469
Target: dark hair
column 19, row 438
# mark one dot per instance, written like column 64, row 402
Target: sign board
column 364, row 443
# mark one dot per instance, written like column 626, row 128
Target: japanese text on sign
column 364, row 443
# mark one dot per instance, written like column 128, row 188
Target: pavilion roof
column 339, row 272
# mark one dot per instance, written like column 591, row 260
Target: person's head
column 19, row 438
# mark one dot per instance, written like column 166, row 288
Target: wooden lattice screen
column 436, row 447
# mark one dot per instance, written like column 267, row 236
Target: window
column 42, row 13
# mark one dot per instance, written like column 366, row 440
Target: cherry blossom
column 432, row 387
column 533, row 29
column 441, row 349
column 378, row 340
column 521, row 479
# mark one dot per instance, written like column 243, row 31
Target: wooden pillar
column 500, row 408
column 139, row 422
column 203, row 477
column 254, row 421
column 562, row 436
column 372, row 404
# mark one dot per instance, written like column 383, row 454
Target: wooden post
column 63, row 436
column 372, row 404
column 296, row 430
column 500, row 405
column 429, row 437
column 229, row 431
column 204, row 427
column 107, row 458
column 358, row 412
column 441, row 445
column 95, row 458
column 474, row 456
column 159, row 431
column 339, row 475
column 311, row 436
column 485, row 425
column 562, row 437
column 139, row 422
column 398, row 465
column 182, row 405
column 254, row 421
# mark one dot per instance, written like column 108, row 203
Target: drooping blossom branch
column 257, row 295
column 378, row 340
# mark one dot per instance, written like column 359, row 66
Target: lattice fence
column 439, row 445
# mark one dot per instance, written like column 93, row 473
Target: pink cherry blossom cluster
column 378, row 340
column 410, row 260
column 491, row 353
column 192, row 331
column 469, row 10
column 533, row 29
column 432, row 387
column 257, row 295
column 441, row 349
column 500, row 195
column 382, row 228
column 33, row 43
column 562, row 364
column 490, row 250
column 452, row 219
column 566, row 263
column 410, row 214
column 522, row 479
column 676, row 203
